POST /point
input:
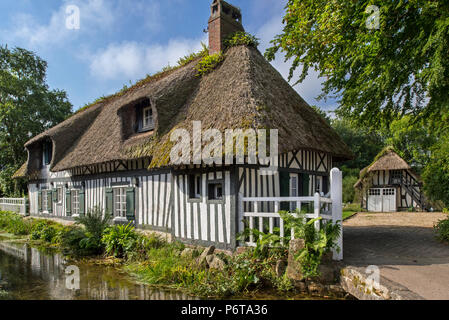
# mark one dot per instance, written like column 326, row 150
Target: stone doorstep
column 353, row 280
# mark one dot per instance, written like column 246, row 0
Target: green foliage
column 14, row 223
column 317, row 243
column 412, row 141
column 241, row 38
column 348, row 188
column 43, row 230
column 120, row 240
column 442, row 229
column 353, row 207
column 27, row 108
column 364, row 143
column 436, row 173
column 376, row 73
column 71, row 243
column 95, row 223
column 189, row 58
column 209, row 63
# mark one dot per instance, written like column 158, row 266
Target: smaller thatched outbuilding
column 389, row 184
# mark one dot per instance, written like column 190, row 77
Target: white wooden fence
column 18, row 205
column 329, row 208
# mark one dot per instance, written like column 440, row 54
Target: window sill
column 216, row 201
column 120, row 220
column 194, row 200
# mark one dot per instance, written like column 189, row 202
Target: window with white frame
column 119, row 202
column 215, row 191
column 59, row 194
column 45, row 200
column 75, row 198
column 147, row 118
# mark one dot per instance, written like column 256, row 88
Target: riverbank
column 153, row 261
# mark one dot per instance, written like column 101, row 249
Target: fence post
column 316, row 211
column 337, row 208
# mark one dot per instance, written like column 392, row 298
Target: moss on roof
column 244, row 91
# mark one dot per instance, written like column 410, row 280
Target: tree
column 413, row 141
column 436, row 173
column 364, row 143
column 27, row 107
column 378, row 74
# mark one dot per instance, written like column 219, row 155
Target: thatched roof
column 245, row 91
column 387, row 159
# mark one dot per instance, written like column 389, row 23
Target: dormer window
column 145, row 117
column 47, row 150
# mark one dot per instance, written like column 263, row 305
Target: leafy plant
column 209, row 63
column 241, row 38
column 95, row 223
column 120, row 240
column 442, row 229
column 14, row 223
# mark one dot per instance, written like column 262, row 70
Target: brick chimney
column 224, row 20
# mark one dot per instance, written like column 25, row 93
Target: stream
column 27, row 273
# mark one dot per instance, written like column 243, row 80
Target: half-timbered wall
column 381, row 179
column 307, row 161
column 203, row 221
column 152, row 195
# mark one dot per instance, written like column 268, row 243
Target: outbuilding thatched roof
column 387, row 159
column 245, row 91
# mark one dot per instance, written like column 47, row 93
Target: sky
column 118, row 42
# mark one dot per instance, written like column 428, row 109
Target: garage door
column 382, row 200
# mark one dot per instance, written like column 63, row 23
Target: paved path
column 403, row 246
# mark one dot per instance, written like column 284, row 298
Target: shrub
column 209, row 63
column 95, row 223
column 241, row 38
column 353, row 207
column 348, row 188
column 120, row 240
column 442, row 229
column 14, row 223
column 71, row 243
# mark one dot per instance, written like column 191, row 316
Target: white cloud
column 133, row 60
column 94, row 15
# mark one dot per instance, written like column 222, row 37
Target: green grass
column 351, row 209
column 348, row 214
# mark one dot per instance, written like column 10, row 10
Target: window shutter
column 284, row 183
column 130, row 205
column 305, row 184
column 68, row 203
column 49, row 201
column 39, row 201
column 109, row 201
column 55, row 195
column 82, row 202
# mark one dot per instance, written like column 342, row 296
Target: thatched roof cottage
column 389, row 185
column 115, row 154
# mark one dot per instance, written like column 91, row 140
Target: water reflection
column 29, row 274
